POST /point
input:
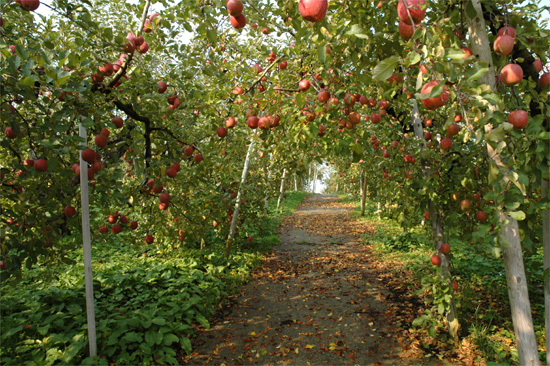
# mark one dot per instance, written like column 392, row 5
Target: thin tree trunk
column 363, row 193
column 266, row 198
column 546, row 248
column 437, row 229
column 511, row 245
column 295, row 183
column 282, row 190
column 233, row 227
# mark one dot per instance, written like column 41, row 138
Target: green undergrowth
column 482, row 298
column 148, row 302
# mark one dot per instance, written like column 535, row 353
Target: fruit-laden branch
column 128, row 59
column 262, row 75
column 171, row 134
column 251, row 3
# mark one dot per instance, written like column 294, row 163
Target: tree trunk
column 510, row 241
column 546, row 243
column 295, row 183
column 282, row 190
column 233, row 227
column 437, row 229
column 266, row 192
column 363, row 193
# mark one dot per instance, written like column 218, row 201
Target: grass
column 482, row 298
column 148, row 299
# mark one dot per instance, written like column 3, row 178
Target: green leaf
column 518, row 215
column 432, row 332
column 150, row 337
column 186, row 344
column 159, row 321
column 385, row 68
column 203, row 321
column 322, row 53
column 169, row 339
column 477, row 71
column 357, row 31
column 212, row 36
column 454, row 53
column 26, row 82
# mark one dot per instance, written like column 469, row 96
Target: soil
column 314, row 301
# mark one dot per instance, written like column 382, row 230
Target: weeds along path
column 313, row 302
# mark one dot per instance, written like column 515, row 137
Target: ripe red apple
column 465, row 205
column 518, row 118
column 197, row 158
column 107, row 69
column 118, row 122
column 101, row 140
column 149, row 239
column 222, row 132
column 103, row 229
column 163, row 206
column 29, row 5
column 88, row 155
column 304, row 85
column 116, row 228
column 69, row 211
column 545, row 80
column 164, row 197
column 162, row 86
column 158, row 188
column 112, row 219
column 105, row 132
column 436, row 102
column 436, row 259
column 507, row 30
column 235, row 7
column 323, row 96
column 283, row 65
column 503, row 45
column 133, row 225
column 313, row 10
column 171, row 172
column 10, row 133
column 354, row 118
column 252, row 122
column 452, row 130
column 143, row 48
column 427, row 136
column 445, row 248
column 189, row 150
column 238, row 22
column 446, row 144
column 538, row 65
column 482, row 216
column 511, row 74
column 376, row 118
column 405, row 30
column 28, row 162
column 230, row 122
column 417, row 11
column 467, row 52
column 40, row 165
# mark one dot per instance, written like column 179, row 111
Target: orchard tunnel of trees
column 440, row 107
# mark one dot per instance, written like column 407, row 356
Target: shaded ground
column 314, row 302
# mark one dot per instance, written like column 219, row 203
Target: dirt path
column 314, row 302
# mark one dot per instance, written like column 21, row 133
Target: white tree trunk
column 233, row 227
column 87, row 247
column 295, row 183
column 268, row 183
column 282, row 190
column 546, row 243
column 363, row 184
column 511, row 253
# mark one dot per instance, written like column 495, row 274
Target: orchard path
column 313, row 302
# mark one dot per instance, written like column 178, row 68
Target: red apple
column 323, row 96
column 436, row 259
column 452, row 130
column 197, row 158
column 238, row 22
column 313, row 10
column 40, row 165
column 482, row 216
column 230, row 122
column 283, row 65
column 416, row 9
column 405, row 30
column 545, row 80
column 304, row 85
column 376, row 118
column 252, row 122
column 116, row 228
column 446, row 144
column 118, row 122
column 465, row 205
column 171, row 172
column 445, row 248
column 235, row 7
column 189, row 150
column 69, row 211
column 10, row 133
column 222, row 132
column 149, row 239
column 164, row 197
column 436, row 102
column 107, row 69
column 538, row 65
column 162, row 86
column 511, row 74
column 89, row 155
column 103, row 229
column 503, row 45
column 29, row 5
column 508, row 31
column 133, row 225
column 101, row 140
column 518, row 118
